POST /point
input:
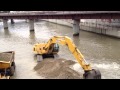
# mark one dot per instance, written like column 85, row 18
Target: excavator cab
column 55, row 48
column 51, row 48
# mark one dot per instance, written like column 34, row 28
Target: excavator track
column 39, row 58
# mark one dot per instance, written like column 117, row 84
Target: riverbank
column 99, row 28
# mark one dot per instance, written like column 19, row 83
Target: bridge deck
column 63, row 15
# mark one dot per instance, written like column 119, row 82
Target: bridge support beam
column 12, row 21
column 76, row 27
column 5, row 23
column 31, row 24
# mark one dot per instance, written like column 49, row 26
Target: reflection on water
column 76, row 40
column 6, row 32
column 101, row 51
column 32, row 37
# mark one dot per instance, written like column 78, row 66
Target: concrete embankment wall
column 100, row 28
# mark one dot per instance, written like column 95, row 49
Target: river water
column 102, row 52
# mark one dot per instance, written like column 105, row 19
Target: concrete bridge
column 74, row 15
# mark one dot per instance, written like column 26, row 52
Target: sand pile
column 5, row 56
column 57, row 69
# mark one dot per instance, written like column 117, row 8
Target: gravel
column 57, row 69
column 5, row 56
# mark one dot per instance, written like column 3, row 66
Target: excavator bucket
column 93, row 74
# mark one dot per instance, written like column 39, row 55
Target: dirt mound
column 56, row 69
column 5, row 56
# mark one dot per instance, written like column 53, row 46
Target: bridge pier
column 12, row 21
column 5, row 23
column 26, row 20
column 76, row 27
column 31, row 24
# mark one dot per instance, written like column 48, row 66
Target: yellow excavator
column 52, row 47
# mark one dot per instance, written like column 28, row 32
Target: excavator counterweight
column 52, row 47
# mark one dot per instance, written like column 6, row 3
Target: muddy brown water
column 100, row 51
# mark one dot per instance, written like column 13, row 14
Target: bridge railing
column 40, row 12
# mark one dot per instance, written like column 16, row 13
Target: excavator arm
column 63, row 40
column 48, row 47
